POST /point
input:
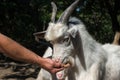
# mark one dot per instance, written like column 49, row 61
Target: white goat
column 73, row 45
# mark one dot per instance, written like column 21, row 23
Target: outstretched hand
column 51, row 65
column 17, row 52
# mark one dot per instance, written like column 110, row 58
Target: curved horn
column 54, row 11
column 66, row 14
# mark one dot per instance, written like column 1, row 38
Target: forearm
column 20, row 53
column 16, row 51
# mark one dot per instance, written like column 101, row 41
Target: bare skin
column 17, row 52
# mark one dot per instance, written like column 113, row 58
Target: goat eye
column 66, row 41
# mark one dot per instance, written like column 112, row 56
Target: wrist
column 39, row 61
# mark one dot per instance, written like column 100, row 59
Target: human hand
column 51, row 66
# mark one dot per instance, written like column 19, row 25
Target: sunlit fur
column 102, row 62
column 54, row 31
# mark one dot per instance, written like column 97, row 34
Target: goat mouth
column 62, row 74
column 66, row 65
column 68, row 62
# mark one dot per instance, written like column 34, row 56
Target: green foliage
column 97, row 20
column 19, row 19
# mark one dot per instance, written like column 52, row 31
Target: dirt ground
column 18, row 71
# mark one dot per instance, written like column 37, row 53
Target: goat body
column 102, row 61
column 73, row 44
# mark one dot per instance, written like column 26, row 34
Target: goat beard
column 62, row 74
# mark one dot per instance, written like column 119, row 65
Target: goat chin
column 69, row 62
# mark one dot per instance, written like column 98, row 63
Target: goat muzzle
column 68, row 62
column 67, row 65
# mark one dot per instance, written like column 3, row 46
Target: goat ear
column 39, row 35
column 73, row 32
column 77, row 43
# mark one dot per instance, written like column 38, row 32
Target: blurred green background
column 19, row 19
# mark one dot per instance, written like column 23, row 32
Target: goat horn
column 66, row 14
column 54, row 11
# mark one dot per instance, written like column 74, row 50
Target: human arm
column 17, row 52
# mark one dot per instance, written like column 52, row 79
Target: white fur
column 43, row 74
column 99, row 62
